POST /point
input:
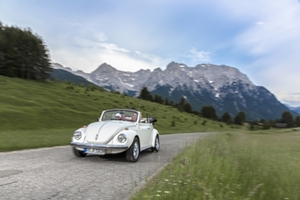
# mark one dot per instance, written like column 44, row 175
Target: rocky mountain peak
column 104, row 68
column 158, row 70
column 143, row 71
column 175, row 66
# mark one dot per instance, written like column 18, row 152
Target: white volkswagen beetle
column 117, row 130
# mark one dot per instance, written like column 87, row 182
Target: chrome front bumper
column 98, row 146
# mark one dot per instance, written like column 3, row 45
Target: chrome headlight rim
column 77, row 135
column 122, row 137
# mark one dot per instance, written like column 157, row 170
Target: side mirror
column 153, row 120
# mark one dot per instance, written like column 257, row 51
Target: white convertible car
column 117, row 131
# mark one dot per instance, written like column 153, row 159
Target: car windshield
column 124, row 115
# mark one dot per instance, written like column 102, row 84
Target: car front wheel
column 78, row 153
column 133, row 153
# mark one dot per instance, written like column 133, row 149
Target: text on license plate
column 94, row 151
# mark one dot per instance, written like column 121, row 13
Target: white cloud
column 280, row 76
column 259, row 23
column 111, row 47
column 292, row 99
column 88, row 53
column 196, row 57
column 100, row 36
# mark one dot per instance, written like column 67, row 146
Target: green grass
column 232, row 165
column 28, row 139
column 33, row 111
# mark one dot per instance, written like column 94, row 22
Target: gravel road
column 55, row 173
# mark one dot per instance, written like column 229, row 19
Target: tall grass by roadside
column 232, row 166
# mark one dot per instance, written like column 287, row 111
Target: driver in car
column 118, row 116
column 134, row 117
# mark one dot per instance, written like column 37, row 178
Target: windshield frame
column 123, row 115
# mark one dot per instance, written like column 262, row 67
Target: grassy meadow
column 42, row 114
column 238, row 165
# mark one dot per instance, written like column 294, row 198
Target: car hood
column 103, row 132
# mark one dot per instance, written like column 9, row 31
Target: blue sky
column 259, row 37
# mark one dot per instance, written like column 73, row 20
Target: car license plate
column 94, row 151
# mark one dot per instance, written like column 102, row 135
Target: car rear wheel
column 133, row 153
column 78, row 153
column 156, row 145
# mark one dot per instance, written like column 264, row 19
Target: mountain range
column 223, row 87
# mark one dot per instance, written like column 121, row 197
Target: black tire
column 156, row 145
column 133, row 153
column 78, row 153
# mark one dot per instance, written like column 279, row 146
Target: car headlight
column 122, row 137
column 77, row 135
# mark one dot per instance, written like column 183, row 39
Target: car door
column 145, row 130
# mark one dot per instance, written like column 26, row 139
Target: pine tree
column 226, row 118
column 145, row 94
column 287, row 118
column 187, row 108
column 166, row 101
column 297, row 121
column 240, row 118
column 158, row 99
column 209, row 112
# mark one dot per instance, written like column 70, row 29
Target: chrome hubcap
column 157, row 143
column 136, row 150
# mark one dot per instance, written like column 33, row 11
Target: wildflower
column 166, row 180
column 167, row 192
column 158, row 195
column 158, row 191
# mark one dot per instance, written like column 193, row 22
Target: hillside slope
column 31, row 105
column 65, row 76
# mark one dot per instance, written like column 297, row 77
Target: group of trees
column 23, row 54
column 182, row 105
column 210, row 113
column 287, row 120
